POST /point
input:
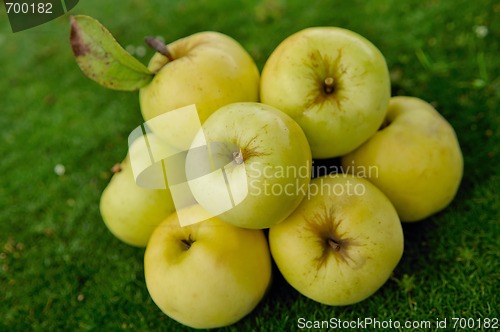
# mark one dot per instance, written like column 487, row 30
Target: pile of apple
column 323, row 93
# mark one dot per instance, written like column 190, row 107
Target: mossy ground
column 62, row 270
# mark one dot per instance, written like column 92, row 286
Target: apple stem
column 159, row 46
column 117, row 168
column 333, row 244
column 238, row 157
column 329, row 88
column 187, row 243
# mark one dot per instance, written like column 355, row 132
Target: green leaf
column 102, row 59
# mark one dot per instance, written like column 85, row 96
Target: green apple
column 415, row 159
column 333, row 82
column 208, row 69
column 207, row 275
column 341, row 244
column 254, row 165
column 129, row 211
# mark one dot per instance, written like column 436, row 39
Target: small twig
column 159, row 46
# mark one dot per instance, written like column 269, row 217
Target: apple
column 249, row 165
column 415, row 159
column 207, row 275
column 208, row 69
column 129, row 211
column 341, row 244
column 333, row 82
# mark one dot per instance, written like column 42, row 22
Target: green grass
column 61, row 269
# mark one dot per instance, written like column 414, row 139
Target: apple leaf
column 102, row 59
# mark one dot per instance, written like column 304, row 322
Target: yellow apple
column 333, row 82
column 207, row 275
column 129, row 211
column 208, row 69
column 255, row 168
column 415, row 159
column 341, row 244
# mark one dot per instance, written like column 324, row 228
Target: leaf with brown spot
column 102, row 59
